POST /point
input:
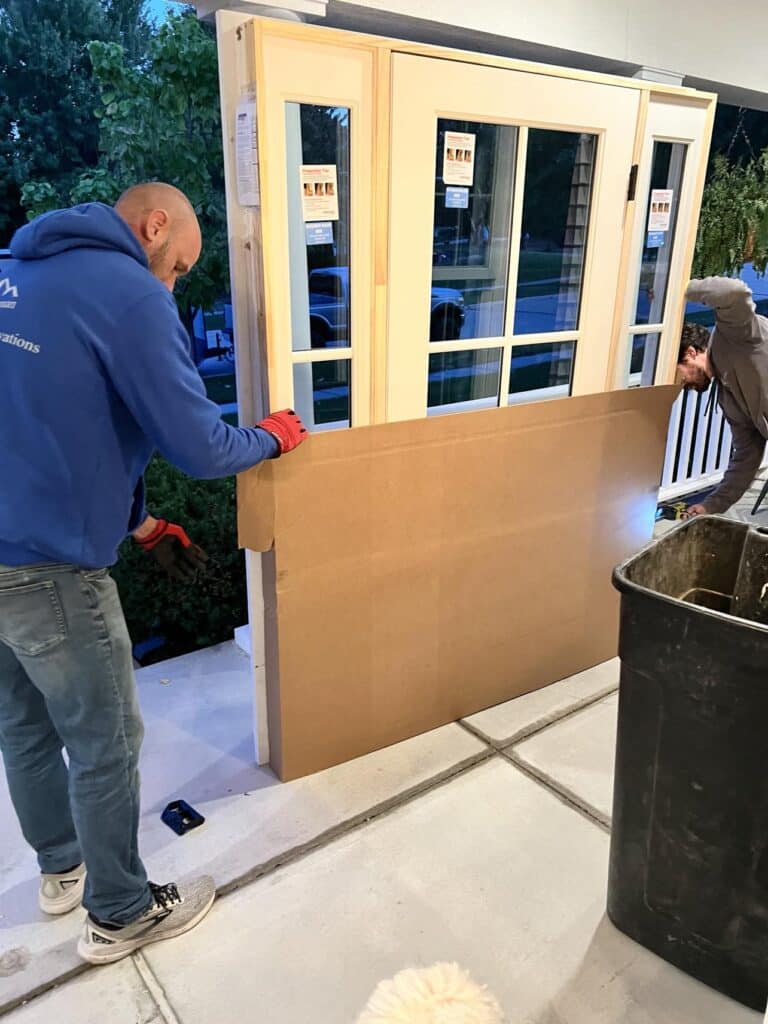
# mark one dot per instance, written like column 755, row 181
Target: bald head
column 154, row 195
column 165, row 224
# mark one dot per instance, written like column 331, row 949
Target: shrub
column 188, row 615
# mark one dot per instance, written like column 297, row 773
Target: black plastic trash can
column 689, row 845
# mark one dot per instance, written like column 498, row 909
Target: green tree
column 733, row 225
column 48, row 95
column 129, row 26
column 160, row 121
column 738, row 134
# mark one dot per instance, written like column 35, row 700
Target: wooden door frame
column 242, row 40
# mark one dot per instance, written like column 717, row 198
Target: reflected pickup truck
column 329, row 309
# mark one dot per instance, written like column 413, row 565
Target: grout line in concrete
column 155, row 989
column 387, row 807
column 540, row 724
column 44, row 988
column 563, row 794
column 286, row 858
column 357, row 821
column 378, row 811
column 486, row 740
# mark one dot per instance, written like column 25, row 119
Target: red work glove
column 286, row 428
column 174, row 551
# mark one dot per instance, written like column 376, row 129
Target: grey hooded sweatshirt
column 738, row 351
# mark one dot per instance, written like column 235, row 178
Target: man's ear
column 156, row 222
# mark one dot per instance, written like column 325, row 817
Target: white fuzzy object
column 442, row 994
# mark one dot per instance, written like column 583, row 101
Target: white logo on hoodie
column 10, row 291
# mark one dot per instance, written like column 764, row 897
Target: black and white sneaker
column 177, row 909
column 61, row 893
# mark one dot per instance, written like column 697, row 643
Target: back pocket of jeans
column 31, row 618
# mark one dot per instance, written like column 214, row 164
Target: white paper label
column 661, row 209
column 459, row 158
column 319, row 192
column 246, row 153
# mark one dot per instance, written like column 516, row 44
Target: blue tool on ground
column 182, row 818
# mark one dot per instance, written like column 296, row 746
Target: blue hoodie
column 95, row 374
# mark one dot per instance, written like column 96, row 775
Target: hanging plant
column 733, row 225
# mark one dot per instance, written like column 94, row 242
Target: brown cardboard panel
column 256, row 508
column 426, row 570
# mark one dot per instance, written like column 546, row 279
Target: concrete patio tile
column 199, row 747
column 742, row 510
column 491, row 871
column 512, row 721
column 577, row 756
column 34, row 949
column 244, row 832
column 109, row 995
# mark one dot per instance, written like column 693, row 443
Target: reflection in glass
column 321, row 394
column 319, row 250
column 556, row 205
column 541, row 371
column 471, row 232
column 644, row 353
column 213, row 350
column 666, row 174
column 464, row 380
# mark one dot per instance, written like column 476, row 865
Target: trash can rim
column 625, row 585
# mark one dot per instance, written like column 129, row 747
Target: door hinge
column 632, row 183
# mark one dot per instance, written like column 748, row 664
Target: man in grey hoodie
column 736, row 359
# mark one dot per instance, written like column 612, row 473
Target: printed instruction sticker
column 459, row 158
column 655, row 239
column 320, row 233
column 661, row 209
column 319, row 192
column 246, row 153
column 456, row 197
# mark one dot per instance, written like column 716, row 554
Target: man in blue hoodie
column 95, row 375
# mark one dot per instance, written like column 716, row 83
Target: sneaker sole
column 55, row 908
column 110, row 956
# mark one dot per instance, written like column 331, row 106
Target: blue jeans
column 66, row 682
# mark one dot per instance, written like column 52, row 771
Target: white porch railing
column 698, row 446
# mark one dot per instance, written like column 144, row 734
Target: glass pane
column 471, row 229
column 642, row 364
column 659, row 232
column 541, row 371
column 460, row 381
column 321, row 394
column 558, row 193
column 317, row 145
column 213, row 350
